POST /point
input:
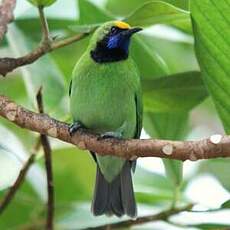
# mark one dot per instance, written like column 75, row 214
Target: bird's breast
column 104, row 103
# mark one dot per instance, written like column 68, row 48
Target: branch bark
column 6, row 15
column 219, row 146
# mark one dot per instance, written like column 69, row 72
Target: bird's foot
column 108, row 135
column 73, row 128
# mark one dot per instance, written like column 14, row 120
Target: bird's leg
column 73, row 128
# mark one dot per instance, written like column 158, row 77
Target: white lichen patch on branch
column 168, row 149
column 52, row 132
column 11, row 111
column 133, row 158
column 192, row 157
column 216, row 139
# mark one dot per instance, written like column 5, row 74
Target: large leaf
column 152, row 65
column 79, row 167
column 179, row 56
column 212, row 44
column 168, row 126
column 157, row 12
column 122, row 8
column 91, row 14
column 177, row 93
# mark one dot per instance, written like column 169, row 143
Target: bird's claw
column 109, row 135
column 73, row 128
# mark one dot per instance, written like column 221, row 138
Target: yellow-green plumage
column 106, row 97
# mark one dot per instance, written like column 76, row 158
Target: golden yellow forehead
column 122, row 25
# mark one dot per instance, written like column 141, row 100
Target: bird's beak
column 131, row 31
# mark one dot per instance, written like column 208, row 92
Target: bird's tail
column 116, row 197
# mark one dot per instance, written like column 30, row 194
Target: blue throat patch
column 119, row 42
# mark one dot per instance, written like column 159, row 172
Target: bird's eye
column 113, row 29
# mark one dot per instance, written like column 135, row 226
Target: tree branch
column 216, row 146
column 48, row 165
column 6, row 15
column 9, row 64
column 164, row 215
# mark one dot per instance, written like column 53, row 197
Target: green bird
column 105, row 97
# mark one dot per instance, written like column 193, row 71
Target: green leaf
column 122, row 8
column 26, row 209
column 152, row 65
column 226, row 205
column 177, row 93
column 157, row 12
column 212, row 44
column 209, row 226
column 17, row 84
column 42, row 2
column 168, row 126
column 91, row 14
column 79, row 167
column 43, row 73
column 179, row 56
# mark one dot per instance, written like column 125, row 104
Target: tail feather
column 116, row 197
column 127, row 193
column 101, row 195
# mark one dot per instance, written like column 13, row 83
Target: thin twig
column 46, row 45
column 50, row 187
column 164, row 215
column 6, row 15
column 9, row 64
column 129, row 149
column 44, row 25
column 14, row 188
column 48, row 165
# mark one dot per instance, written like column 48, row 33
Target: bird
column 106, row 98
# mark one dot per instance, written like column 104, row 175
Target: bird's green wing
column 139, row 113
column 139, row 117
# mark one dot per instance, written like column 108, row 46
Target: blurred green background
column 176, row 104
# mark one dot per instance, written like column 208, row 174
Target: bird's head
column 110, row 42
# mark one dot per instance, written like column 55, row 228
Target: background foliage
column 179, row 98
